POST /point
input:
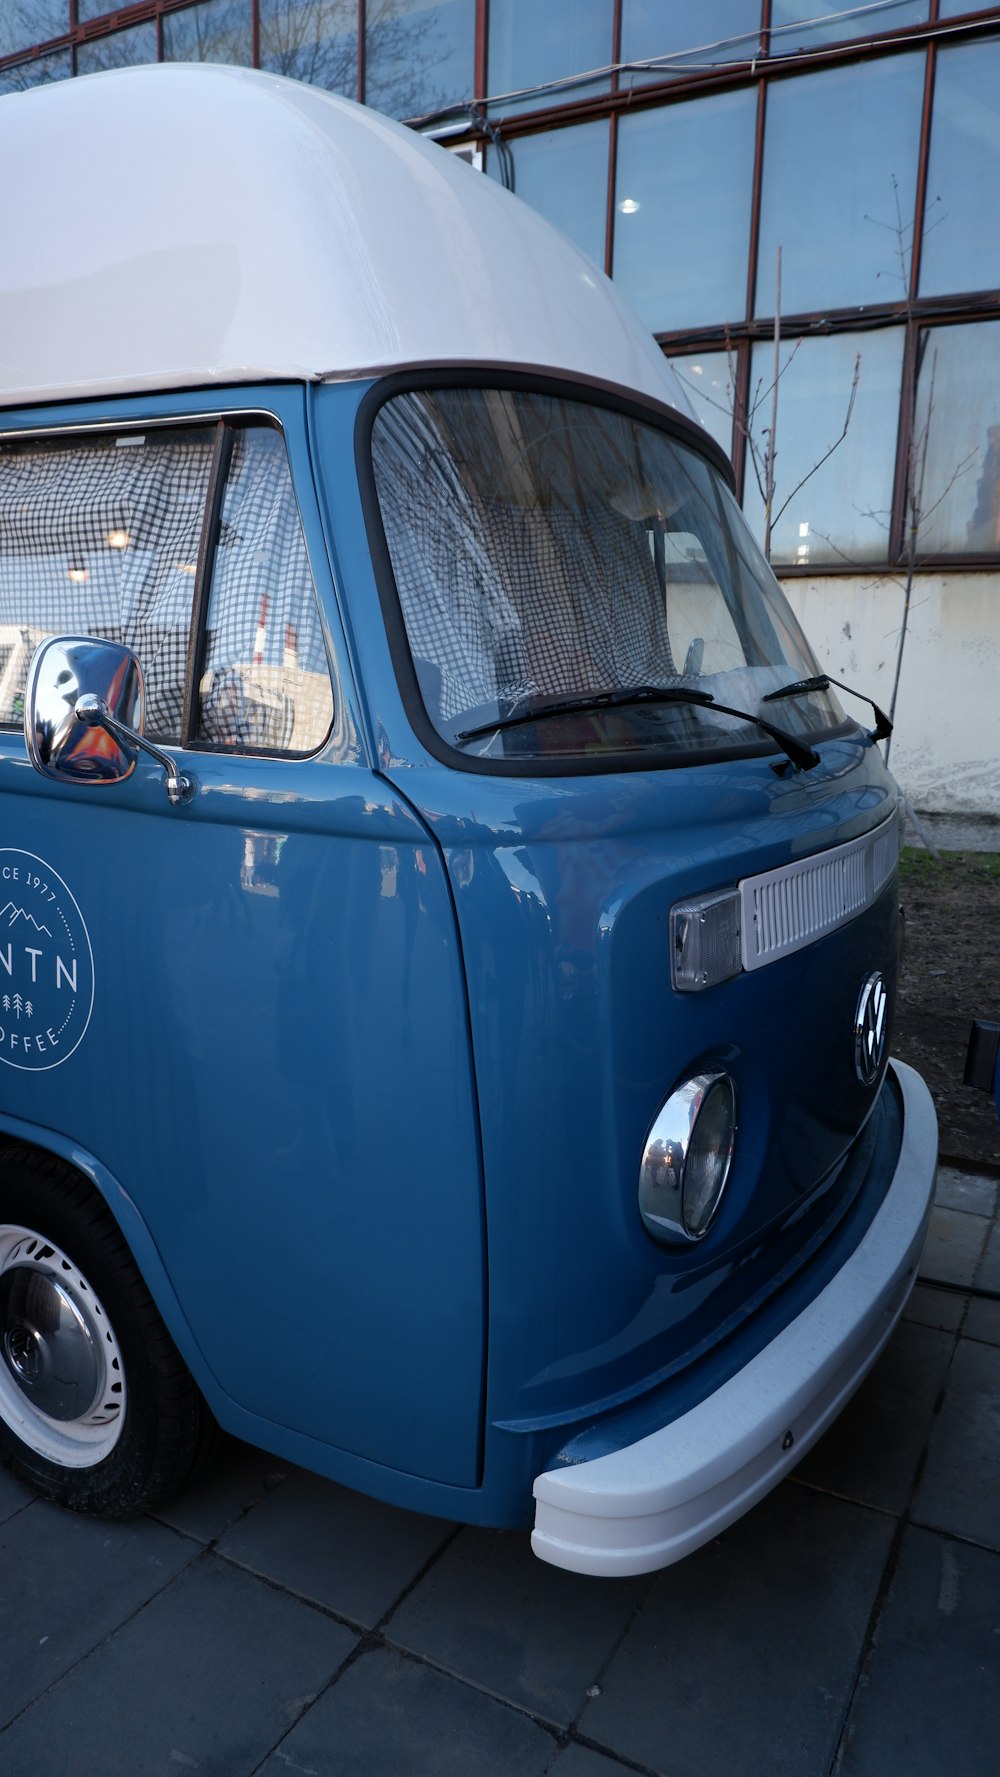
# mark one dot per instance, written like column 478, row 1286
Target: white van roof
column 181, row 225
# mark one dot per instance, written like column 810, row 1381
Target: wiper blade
column 805, row 757
column 822, row 682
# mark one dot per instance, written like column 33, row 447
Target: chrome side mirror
column 83, row 715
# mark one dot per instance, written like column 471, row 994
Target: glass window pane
column 804, row 24
column 706, row 36
column 952, row 8
column 961, row 247
column 564, row 175
column 123, row 49
column 546, row 550
column 680, row 245
column 56, row 66
column 531, row 44
column 101, row 539
column 94, row 9
column 841, row 513
column 215, row 31
column 956, row 438
column 708, row 381
column 314, row 40
column 23, row 23
column 265, row 686
column 840, row 153
column 419, row 55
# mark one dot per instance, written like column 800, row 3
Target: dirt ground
column 951, row 974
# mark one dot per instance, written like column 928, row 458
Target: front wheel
column 97, row 1409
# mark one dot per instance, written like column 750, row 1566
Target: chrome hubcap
column 48, row 1344
column 62, row 1383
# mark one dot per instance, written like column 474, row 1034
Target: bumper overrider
column 650, row 1503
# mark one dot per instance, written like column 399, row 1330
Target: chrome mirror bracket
column 93, row 712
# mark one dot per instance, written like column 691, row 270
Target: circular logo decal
column 870, row 1029
column 46, row 965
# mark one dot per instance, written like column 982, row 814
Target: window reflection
column 214, row 31
column 840, row 514
column 313, row 40
column 803, row 24
column 531, row 44
column 124, row 49
column 26, row 22
column 840, row 153
column 564, row 175
column 707, row 36
column 680, row 241
column 39, row 72
column 266, row 682
column 961, row 246
column 956, row 440
column 419, row 55
column 708, row 380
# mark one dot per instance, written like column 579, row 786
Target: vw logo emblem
column 870, row 1029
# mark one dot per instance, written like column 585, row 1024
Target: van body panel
column 276, row 1063
column 575, row 1022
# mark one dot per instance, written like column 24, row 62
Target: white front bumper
column 649, row 1504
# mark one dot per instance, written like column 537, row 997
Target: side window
column 99, row 536
column 265, row 683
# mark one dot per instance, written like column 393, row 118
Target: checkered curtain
column 519, row 566
column 100, row 537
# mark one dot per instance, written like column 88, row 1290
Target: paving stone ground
column 267, row 1623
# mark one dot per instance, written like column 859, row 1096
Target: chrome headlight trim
column 676, row 1203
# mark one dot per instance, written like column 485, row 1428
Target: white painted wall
column 946, row 747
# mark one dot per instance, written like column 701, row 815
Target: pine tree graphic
column 29, row 1011
column 6, row 1002
column 18, row 1004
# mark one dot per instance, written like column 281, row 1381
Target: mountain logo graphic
column 46, row 965
column 12, row 914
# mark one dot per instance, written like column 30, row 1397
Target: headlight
column 687, row 1157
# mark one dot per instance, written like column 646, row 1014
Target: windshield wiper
column 822, row 682
column 803, row 756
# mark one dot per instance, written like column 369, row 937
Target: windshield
column 549, row 550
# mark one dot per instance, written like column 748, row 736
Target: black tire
column 117, row 1423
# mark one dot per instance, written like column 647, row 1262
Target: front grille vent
column 784, row 910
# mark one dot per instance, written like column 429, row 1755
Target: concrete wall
column 946, row 747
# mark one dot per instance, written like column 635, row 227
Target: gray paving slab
column 65, row 1583
column 965, row 1190
column 491, row 1612
column 13, row 1496
column 983, row 1321
column 207, row 1679
column 873, row 1450
column 936, row 1308
column 988, row 1275
column 928, row 1705
column 743, row 1658
column 954, row 1247
column 959, row 1489
column 238, row 1479
column 389, row 1716
column 336, row 1547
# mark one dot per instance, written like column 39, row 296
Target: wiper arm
column 803, row 756
column 822, row 682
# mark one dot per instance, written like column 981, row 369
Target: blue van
column 450, row 929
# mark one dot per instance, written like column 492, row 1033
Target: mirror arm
column 93, row 712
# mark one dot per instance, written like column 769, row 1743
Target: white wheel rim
column 62, row 1377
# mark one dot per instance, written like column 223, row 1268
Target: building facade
column 800, row 199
